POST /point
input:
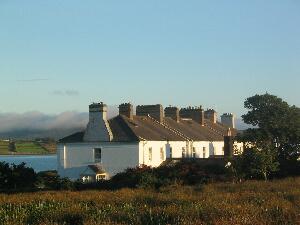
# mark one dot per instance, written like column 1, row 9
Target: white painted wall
column 177, row 148
column 203, row 149
column 156, row 158
column 74, row 158
column 217, row 148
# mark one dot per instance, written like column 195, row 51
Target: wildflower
column 228, row 165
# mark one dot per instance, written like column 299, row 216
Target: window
column 204, row 152
column 150, row 154
column 214, row 150
column 97, row 155
column 100, row 177
column 86, row 179
column 183, row 152
column 162, row 155
column 194, row 152
column 170, row 152
column 223, row 150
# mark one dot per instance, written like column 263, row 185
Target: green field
column 3, row 147
column 27, row 147
column 252, row 202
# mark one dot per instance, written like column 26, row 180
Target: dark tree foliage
column 19, row 178
column 276, row 128
column 255, row 164
column 186, row 172
column 12, row 146
column 14, row 177
column 52, row 181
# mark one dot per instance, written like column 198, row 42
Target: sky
column 61, row 55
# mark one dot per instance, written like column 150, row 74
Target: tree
column 276, row 133
column 255, row 163
column 22, row 176
column 12, row 146
column 16, row 176
column 5, row 173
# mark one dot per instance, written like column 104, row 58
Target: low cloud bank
column 35, row 124
column 40, row 121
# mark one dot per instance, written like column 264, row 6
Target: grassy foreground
column 252, row 202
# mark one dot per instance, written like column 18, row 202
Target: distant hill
column 240, row 125
column 29, row 134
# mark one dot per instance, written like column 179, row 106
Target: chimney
column 126, row 109
column 211, row 115
column 228, row 144
column 155, row 111
column 194, row 113
column 172, row 112
column 98, row 128
column 228, row 119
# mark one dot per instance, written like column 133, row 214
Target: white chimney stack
column 98, row 128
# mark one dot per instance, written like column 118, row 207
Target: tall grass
column 252, row 202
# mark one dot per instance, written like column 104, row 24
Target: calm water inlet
column 37, row 162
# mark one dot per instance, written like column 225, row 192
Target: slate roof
column 76, row 137
column 147, row 128
column 97, row 168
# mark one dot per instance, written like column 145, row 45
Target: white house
column 150, row 137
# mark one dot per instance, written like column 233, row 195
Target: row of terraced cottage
column 150, row 137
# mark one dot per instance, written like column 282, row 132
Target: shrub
column 185, row 172
column 14, row 177
column 51, row 180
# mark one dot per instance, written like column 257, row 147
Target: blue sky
column 58, row 56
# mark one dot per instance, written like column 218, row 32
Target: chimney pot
column 172, row 112
column 154, row 111
column 211, row 115
column 196, row 114
column 126, row 109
